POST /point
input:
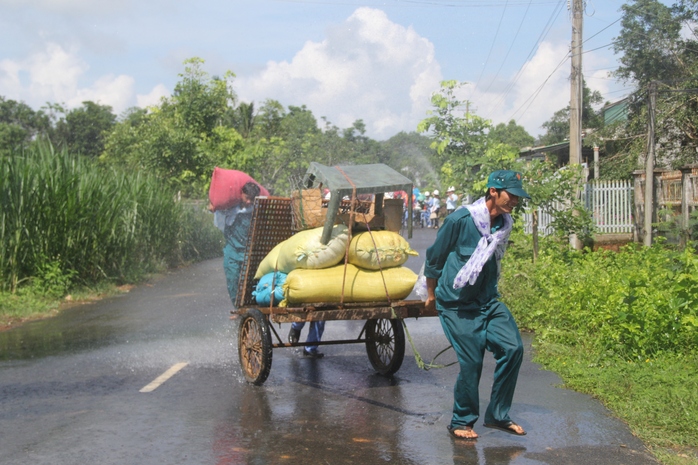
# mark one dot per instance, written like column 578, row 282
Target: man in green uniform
column 461, row 270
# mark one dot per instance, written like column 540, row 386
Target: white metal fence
column 610, row 203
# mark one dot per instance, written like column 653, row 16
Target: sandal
column 452, row 430
column 506, row 426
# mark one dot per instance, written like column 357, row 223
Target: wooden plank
column 353, row 311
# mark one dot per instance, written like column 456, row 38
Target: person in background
column 417, row 200
column 426, row 205
column 314, row 335
column 235, row 225
column 462, row 271
column 451, row 200
column 435, row 209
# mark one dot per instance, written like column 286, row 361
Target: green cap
column 510, row 181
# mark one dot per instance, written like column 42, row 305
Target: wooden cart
column 273, row 222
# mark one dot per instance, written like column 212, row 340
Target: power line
column 535, row 94
column 496, row 34
column 614, row 22
column 598, row 48
column 543, row 34
column 523, row 18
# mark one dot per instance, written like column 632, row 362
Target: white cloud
column 540, row 89
column 48, row 75
column 153, row 97
column 367, row 68
column 55, row 74
column 115, row 91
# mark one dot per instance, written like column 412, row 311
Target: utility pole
column 576, row 94
column 576, row 84
column 649, row 164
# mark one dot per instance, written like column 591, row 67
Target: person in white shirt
column 451, row 200
column 435, row 209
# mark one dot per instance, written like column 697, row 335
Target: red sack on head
column 226, row 188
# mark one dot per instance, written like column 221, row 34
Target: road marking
column 164, row 377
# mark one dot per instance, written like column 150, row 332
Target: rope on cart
column 351, row 224
column 417, row 357
column 370, row 233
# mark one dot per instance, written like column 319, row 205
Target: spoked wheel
column 385, row 345
column 254, row 347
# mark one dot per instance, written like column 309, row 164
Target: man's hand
column 430, row 302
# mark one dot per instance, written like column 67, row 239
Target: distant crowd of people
column 429, row 208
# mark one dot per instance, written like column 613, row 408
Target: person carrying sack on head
column 235, row 225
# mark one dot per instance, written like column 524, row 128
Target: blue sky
column 379, row 61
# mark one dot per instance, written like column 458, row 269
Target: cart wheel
column 385, row 345
column 254, row 347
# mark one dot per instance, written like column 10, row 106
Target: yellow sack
column 269, row 263
column 304, row 250
column 308, row 286
column 390, row 248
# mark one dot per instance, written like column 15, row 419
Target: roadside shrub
column 635, row 303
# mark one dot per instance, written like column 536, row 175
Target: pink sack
column 226, row 188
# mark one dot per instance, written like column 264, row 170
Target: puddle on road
column 303, row 425
column 63, row 334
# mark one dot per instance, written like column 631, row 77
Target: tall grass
column 65, row 218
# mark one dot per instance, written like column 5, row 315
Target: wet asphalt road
column 70, row 393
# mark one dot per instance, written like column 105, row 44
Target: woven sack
column 263, row 292
column 304, row 250
column 307, row 209
column 226, row 188
column 379, row 249
column 313, row 286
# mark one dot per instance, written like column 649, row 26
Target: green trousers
column 471, row 332
column 232, row 264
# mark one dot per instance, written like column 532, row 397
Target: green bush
column 636, row 303
column 620, row 326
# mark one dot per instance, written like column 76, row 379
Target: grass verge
column 655, row 397
column 27, row 305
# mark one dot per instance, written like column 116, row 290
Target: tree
column 268, row 119
column 558, row 127
column 284, row 144
column 653, row 49
column 243, row 119
column 20, row 125
column 648, row 42
column 465, row 155
column 553, row 191
column 184, row 137
column 511, row 134
column 83, row 130
column 412, row 155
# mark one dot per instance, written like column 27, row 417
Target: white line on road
column 164, row 377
